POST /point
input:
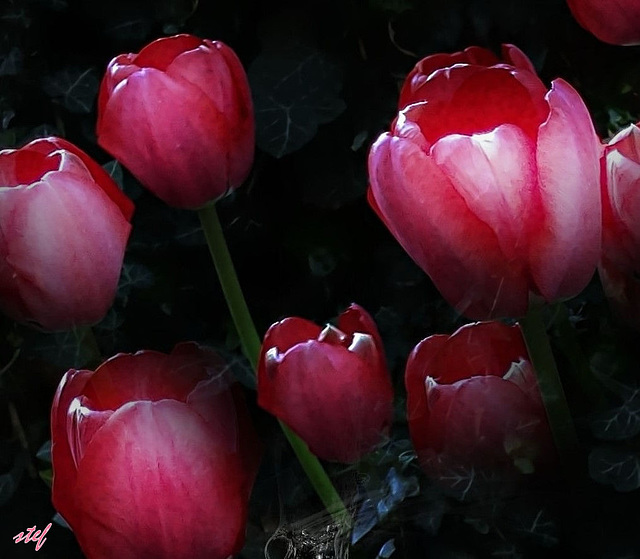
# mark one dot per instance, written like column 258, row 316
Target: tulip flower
column 490, row 182
column 179, row 116
column 154, row 455
column 331, row 386
column 473, row 405
column 620, row 263
column 64, row 225
column 612, row 21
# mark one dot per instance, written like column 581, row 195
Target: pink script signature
column 33, row 535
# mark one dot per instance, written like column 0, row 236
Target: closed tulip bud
column 179, row 116
column 330, row 385
column 612, row 21
column 620, row 264
column 154, row 455
column 491, row 182
column 473, row 406
column 64, row 226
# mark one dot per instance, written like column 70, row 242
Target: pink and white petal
column 184, row 145
column 158, row 459
column 64, row 465
column 433, row 223
column 495, row 174
column 59, row 232
column 566, row 249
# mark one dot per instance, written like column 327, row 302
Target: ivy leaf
column 11, row 63
column 63, row 349
column 620, row 468
column 294, row 91
column 75, row 88
column 623, row 421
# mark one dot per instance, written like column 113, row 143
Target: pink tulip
column 331, row 385
column 612, row 21
column 179, row 116
column 620, row 264
column 490, row 182
column 473, row 405
column 154, row 455
column 64, row 225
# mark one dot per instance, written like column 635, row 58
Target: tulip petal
column 61, row 232
column 612, row 21
column 352, row 412
column 64, row 473
column 159, row 54
column 495, row 173
column 566, row 249
column 190, row 141
column 473, row 420
column 146, row 375
column 477, row 349
column 435, row 226
column 623, row 181
column 150, row 514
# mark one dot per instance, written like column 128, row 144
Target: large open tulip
column 490, row 182
column 473, row 406
column 612, row 21
column 620, row 264
column 154, row 455
column 330, row 385
column 64, row 225
column 179, row 116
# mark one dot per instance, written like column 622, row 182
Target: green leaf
column 75, row 88
column 293, row 93
column 620, row 468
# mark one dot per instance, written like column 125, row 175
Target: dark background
column 303, row 239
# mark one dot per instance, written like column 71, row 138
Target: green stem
column 567, row 341
column 251, row 345
column 249, row 338
column 553, row 397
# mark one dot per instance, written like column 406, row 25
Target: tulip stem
column 553, row 397
column 251, row 345
column 249, row 338
column 319, row 479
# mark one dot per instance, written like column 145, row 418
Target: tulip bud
column 490, row 182
column 474, row 408
column 64, row 226
column 331, row 385
column 612, row 21
column 154, row 455
column 179, row 116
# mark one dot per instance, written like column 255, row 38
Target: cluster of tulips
column 495, row 185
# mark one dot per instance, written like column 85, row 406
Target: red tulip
column 612, row 21
column 154, row 455
column 331, row 385
column 620, row 264
column 490, row 182
column 64, row 225
column 473, row 404
column 179, row 116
